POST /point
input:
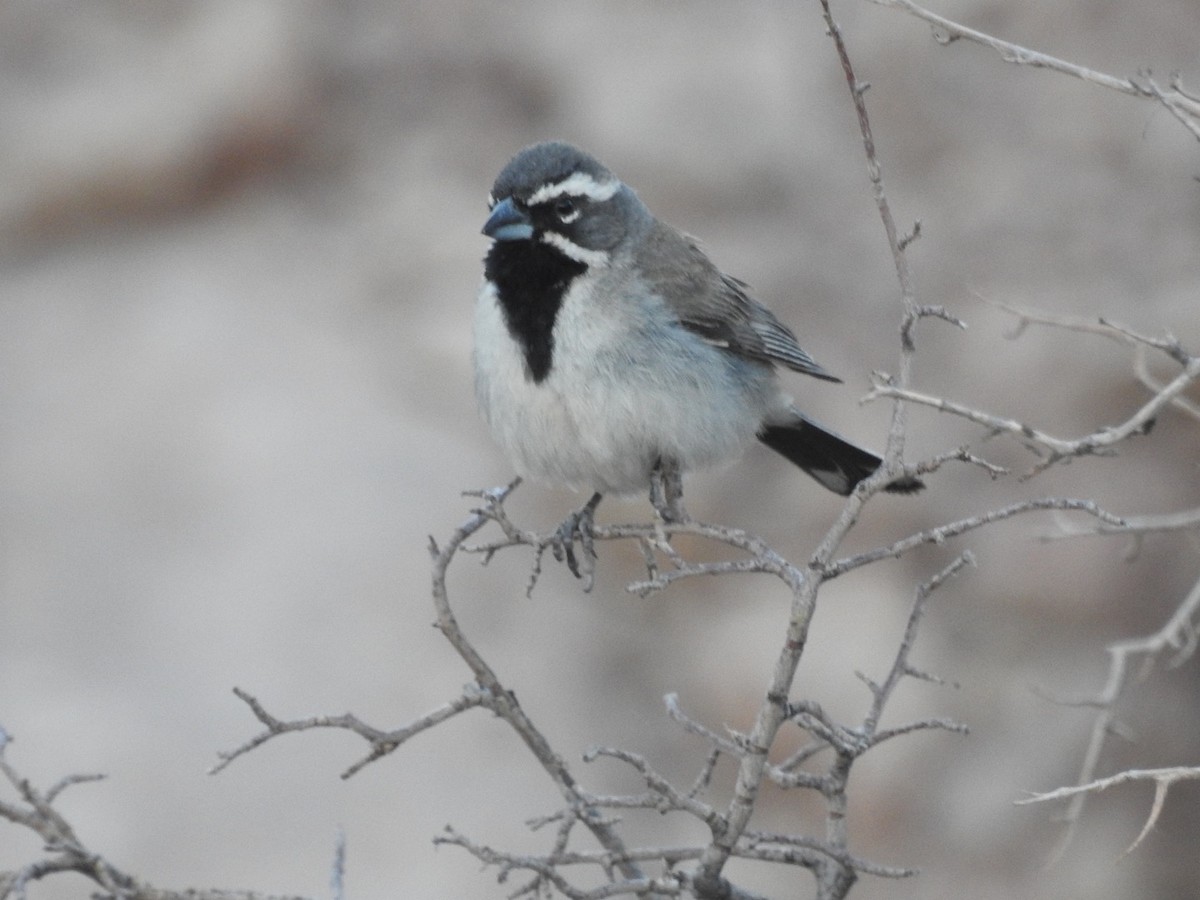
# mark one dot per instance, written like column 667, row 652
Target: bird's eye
column 565, row 208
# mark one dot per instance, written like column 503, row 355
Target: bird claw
column 666, row 492
column 579, row 526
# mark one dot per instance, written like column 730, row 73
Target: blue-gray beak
column 508, row 222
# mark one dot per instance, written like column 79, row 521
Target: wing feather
column 718, row 307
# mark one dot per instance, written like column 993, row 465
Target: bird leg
column 579, row 526
column 666, row 491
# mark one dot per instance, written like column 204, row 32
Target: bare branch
column 67, row 853
column 1163, row 780
column 1178, row 633
column 1186, row 520
column 502, row 701
column 882, row 692
column 704, row 779
column 691, row 570
column 1178, row 102
column 1122, row 334
column 943, row 533
column 1181, row 105
column 689, row 724
column 1142, row 370
column 547, row 869
column 382, row 742
column 934, row 724
column 911, row 312
column 1101, row 326
column 665, row 797
column 755, row 849
column 1060, row 448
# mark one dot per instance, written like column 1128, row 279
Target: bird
column 609, row 348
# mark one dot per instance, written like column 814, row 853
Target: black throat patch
column 531, row 279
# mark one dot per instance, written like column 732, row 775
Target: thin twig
column 502, row 701
column 666, row 796
column 1177, row 633
column 896, row 243
column 1185, row 520
column 67, row 852
column 1175, row 99
column 901, row 668
column 1137, row 423
column 1139, row 343
column 382, row 742
column 1163, row 780
column 942, row 533
column 689, row 724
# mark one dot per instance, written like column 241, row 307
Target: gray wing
column 716, row 306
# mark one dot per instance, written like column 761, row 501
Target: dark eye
column 565, row 208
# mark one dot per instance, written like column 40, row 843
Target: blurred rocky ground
column 239, row 248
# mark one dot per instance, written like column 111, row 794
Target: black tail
column 833, row 461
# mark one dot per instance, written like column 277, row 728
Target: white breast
column 627, row 385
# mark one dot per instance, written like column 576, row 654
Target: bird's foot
column 666, row 492
column 579, row 526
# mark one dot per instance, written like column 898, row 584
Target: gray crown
column 545, row 164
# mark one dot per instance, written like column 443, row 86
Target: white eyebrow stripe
column 590, row 258
column 580, row 184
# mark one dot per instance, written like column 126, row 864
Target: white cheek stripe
column 591, row 258
column 580, row 184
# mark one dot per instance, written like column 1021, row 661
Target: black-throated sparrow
column 607, row 345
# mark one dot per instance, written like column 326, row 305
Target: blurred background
column 240, row 246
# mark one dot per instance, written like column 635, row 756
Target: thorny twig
column 1141, row 344
column 1049, row 448
column 1175, row 98
column 66, row 852
column 941, row 533
column 1183, row 106
column 1056, row 449
column 1178, row 633
column 1163, row 780
column 382, row 742
column 730, row 836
